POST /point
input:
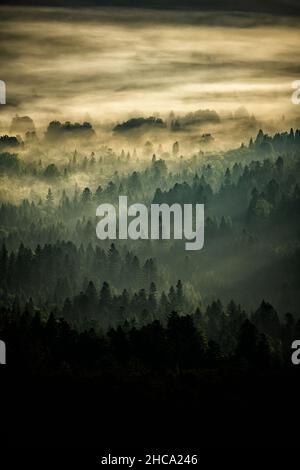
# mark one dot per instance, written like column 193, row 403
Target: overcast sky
column 112, row 62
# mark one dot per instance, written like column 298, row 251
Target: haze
column 111, row 64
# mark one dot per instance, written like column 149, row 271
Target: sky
column 114, row 63
column 282, row 7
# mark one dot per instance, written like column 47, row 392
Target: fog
column 112, row 64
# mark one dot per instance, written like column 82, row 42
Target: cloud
column 107, row 63
column 280, row 7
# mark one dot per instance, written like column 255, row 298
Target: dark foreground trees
column 52, row 346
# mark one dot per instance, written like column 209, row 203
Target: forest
column 141, row 316
column 53, row 265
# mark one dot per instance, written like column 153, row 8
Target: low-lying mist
column 107, row 64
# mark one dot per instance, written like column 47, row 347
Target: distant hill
column 202, row 116
column 9, row 142
column 137, row 123
column 57, row 130
column 21, row 125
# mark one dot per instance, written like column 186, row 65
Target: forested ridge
column 237, row 299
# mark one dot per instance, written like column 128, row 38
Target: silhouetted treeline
column 57, row 130
column 182, row 343
column 136, row 123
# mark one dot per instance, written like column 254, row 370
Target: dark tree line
column 182, row 342
column 56, row 271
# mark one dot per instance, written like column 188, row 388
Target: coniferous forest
column 143, row 343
